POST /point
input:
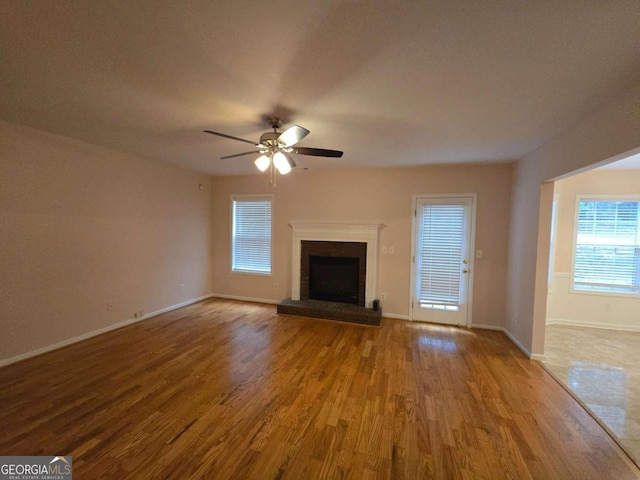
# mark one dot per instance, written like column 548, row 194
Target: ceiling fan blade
column 231, row 137
column 317, row 152
column 290, row 159
column 240, row 154
column 292, row 135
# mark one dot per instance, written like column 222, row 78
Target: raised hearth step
column 344, row 312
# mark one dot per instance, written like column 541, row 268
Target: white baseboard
column 275, row 302
column 397, row 316
column 487, row 327
column 246, row 299
column 176, row 306
column 100, row 331
column 517, row 342
column 131, row 321
column 578, row 323
column 531, row 356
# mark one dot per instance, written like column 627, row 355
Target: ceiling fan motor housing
column 274, row 143
column 269, row 138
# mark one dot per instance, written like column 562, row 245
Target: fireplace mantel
column 368, row 233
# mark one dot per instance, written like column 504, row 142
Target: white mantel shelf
column 368, row 233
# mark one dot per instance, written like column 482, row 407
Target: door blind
column 251, row 236
column 442, row 241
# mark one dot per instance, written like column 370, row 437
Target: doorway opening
column 592, row 327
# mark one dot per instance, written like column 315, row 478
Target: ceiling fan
column 275, row 148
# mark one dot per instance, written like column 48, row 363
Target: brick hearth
column 344, row 312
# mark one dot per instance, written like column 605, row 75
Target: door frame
column 472, row 246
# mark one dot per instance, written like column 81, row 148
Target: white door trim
column 472, row 245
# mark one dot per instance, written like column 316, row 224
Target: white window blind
column 251, row 235
column 607, row 256
column 442, row 243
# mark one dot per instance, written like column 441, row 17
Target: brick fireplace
column 334, row 241
column 321, row 261
column 336, row 232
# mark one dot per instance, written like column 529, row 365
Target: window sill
column 602, row 293
column 248, row 272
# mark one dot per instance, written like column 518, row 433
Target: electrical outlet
column 383, row 296
column 276, row 285
column 138, row 314
column 109, row 307
column 182, row 287
column 384, row 250
column 392, row 250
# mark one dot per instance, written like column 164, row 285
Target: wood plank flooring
column 231, row 390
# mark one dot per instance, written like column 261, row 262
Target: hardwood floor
column 230, row 390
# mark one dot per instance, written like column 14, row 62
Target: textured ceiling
column 389, row 82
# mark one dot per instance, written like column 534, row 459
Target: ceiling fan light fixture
column 282, row 163
column 262, row 162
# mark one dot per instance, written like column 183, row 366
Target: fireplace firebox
column 333, row 271
column 334, row 279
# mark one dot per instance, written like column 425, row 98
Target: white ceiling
column 389, row 82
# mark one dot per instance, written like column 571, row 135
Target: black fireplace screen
column 334, row 279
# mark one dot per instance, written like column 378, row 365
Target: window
column 251, row 234
column 607, row 253
column 442, row 250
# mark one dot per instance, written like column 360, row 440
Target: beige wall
column 371, row 195
column 610, row 131
column 584, row 308
column 82, row 226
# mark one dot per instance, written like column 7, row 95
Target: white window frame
column 249, row 197
column 602, row 198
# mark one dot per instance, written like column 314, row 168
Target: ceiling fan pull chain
column 272, row 174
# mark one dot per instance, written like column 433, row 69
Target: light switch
column 479, row 253
column 384, row 250
column 392, row 250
